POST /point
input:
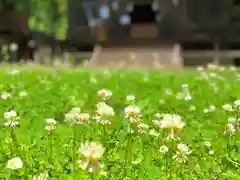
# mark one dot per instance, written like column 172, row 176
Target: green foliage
column 49, row 16
column 235, row 13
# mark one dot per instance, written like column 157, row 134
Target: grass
column 51, row 93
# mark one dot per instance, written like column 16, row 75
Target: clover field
column 71, row 124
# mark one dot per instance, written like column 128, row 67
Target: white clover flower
column 103, row 173
column 92, row 153
column 154, row 133
column 103, row 121
column 183, row 148
column 192, row 108
column 204, row 76
column 235, row 122
column 181, row 158
column 211, row 152
column 232, row 120
column 142, row 128
column 104, row 94
column 180, row 95
column 222, row 68
column 213, row 75
column 212, row 108
column 104, row 113
column 14, row 72
column 5, row 95
column 156, row 122
column 232, row 68
column 182, row 153
column 230, row 130
column 163, row 149
column 72, row 116
column 227, row 107
column 159, row 115
column 82, row 118
column 11, row 118
column 206, row 111
column 10, row 115
column 50, row 124
column 92, row 150
column 132, row 113
column 105, row 110
column 185, row 86
column 200, row 68
column 41, row 176
column 23, row 94
column 187, row 97
column 130, row 98
column 86, row 164
column 15, row 163
column 211, row 66
column 237, row 104
column 207, row 144
column 171, row 121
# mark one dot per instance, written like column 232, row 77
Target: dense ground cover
column 154, row 124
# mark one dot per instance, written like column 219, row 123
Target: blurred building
column 168, row 28
column 194, row 24
column 170, row 20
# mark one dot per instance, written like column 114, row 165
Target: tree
column 49, row 16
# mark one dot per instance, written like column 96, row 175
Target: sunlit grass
column 126, row 132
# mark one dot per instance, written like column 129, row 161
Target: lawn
column 68, row 124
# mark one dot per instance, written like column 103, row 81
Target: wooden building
column 193, row 24
column 161, row 20
column 169, row 27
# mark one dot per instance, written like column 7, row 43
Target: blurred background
column 97, row 29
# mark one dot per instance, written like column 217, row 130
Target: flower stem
column 92, row 176
column 14, row 142
column 181, row 171
column 50, row 147
column 166, row 164
column 125, row 160
column 104, row 141
column 128, row 153
column 74, row 151
column 143, row 165
column 171, row 154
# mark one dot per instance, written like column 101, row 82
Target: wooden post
column 95, row 55
column 176, row 55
